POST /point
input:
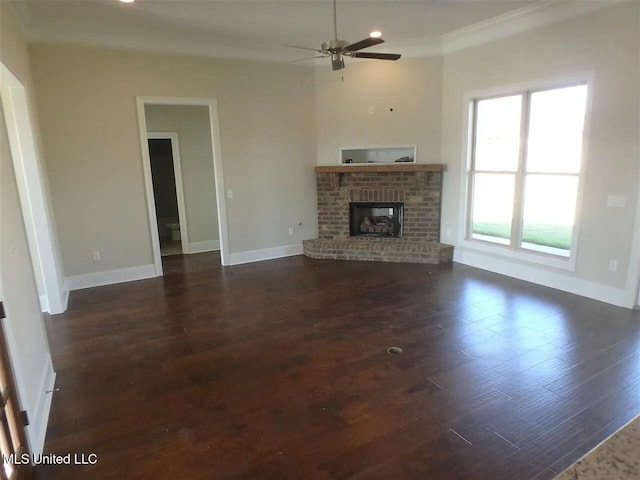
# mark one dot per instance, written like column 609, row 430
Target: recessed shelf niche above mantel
column 378, row 154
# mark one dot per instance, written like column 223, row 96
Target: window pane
column 556, row 123
column 497, row 134
column 549, row 213
column 492, row 207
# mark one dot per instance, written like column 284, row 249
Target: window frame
column 514, row 250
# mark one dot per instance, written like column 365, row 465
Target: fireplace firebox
column 375, row 219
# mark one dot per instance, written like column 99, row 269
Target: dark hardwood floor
column 279, row 370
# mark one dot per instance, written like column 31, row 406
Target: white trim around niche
column 413, row 147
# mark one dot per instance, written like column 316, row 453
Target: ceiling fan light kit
column 337, row 62
column 338, row 49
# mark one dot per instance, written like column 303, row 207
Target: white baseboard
column 88, row 280
column 564, row 282
column 206, row 246
column 39, row 417
column 250, row 256
column 45, row 307
column 44, row 304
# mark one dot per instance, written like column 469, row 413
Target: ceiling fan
column 338, row 49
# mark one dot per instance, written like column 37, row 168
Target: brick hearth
column 419, row 187
column 379, row 250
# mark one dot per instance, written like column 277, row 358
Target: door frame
column 214, row 126
column 34, row 196
column 177, row 172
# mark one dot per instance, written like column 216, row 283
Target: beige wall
column 411, row 87
column 196, row 158
column 14, row 54
column 87, row 103
column 605, row 43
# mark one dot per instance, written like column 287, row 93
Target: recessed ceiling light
column 374, row 34
column 127, row 1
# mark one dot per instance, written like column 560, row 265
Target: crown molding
column 70, row 34
column 533, row 16
column 521, row 20
column 415, row 47
column 20, row 13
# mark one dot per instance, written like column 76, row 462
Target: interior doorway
column 198, row 177
column 168, row 193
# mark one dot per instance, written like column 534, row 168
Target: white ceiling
column 261, row 29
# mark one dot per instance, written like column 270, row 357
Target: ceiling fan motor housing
column 334, row 46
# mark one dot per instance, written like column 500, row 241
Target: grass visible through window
column 548, row 235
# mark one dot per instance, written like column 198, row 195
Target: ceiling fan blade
column 304, row 48
column 367, row 42
column 377, row 56
column 307, row 58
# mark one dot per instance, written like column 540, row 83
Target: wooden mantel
column 351, row 168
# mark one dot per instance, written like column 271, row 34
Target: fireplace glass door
column 375, row 219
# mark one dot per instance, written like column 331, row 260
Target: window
column 526, row 152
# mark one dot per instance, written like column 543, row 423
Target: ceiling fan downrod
column 335, row 22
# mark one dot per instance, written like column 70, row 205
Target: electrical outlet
column 613, row 265
column 95, row 256
column 372, row 110
column 229, row 193
column 292, row 231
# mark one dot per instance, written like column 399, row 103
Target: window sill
column 536, row 258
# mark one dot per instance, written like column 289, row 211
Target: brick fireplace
column 416, row 189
